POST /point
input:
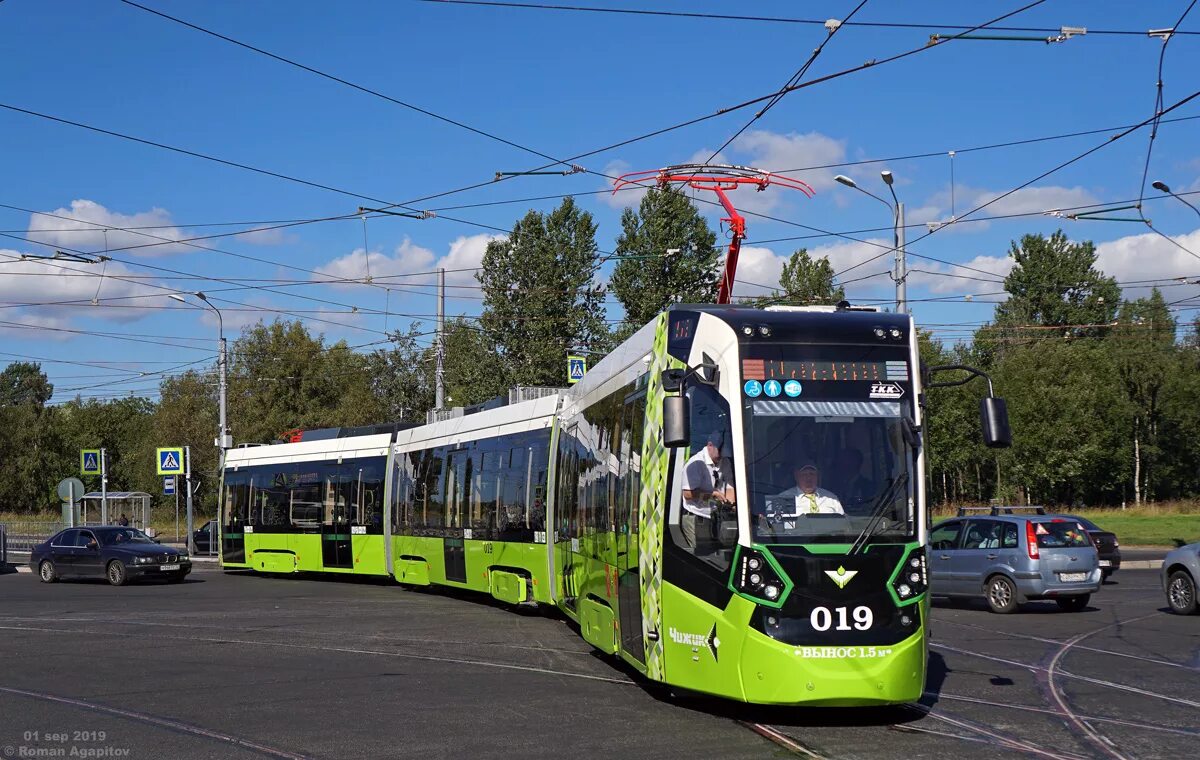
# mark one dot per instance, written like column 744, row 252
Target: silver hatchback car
column 1008, row 559
column 1180, row 577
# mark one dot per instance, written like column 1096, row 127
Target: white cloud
column 462, row 260
column 51, row 282
column 84, row 229
column 1149, row 257
column 89, row 226
column 961, row 278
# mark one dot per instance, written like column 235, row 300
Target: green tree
column 1143, row 346
column 805, row 280
column 400, row 378
column 540, row 297
column 281, row 377
column 1054, row 282
column 26, row 446
column 186, row 415
column 646, row 278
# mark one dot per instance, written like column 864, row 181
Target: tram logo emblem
column 841, row 576
column 886, row 390
column 697, row 640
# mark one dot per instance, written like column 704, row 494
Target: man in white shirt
column 707, row 482
column 808, row 498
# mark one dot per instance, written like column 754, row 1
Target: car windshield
column 819, row 470
column 124, row 536
column 1059, row 534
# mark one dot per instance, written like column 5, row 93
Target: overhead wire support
column 1064, row 34
column 80, row 258
column 575, row 169
column 405, row 214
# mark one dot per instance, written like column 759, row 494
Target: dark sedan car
column 207, row 539
column 1106, row 543
column 116, row 553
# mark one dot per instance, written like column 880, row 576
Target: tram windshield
column 819, row 471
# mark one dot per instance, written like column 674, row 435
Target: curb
column 1142, row 564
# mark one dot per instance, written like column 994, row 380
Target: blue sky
column 561, row 83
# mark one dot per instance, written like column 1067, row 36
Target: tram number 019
column 860, row 618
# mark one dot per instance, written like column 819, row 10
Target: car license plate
column 1072, row 577
column 168, row 567
column 1105, row 563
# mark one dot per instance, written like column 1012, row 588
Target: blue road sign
column 89, row 462
column 170, row 461
column 169, row 485
column 576, row 369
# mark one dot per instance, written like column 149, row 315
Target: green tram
column 732, row 502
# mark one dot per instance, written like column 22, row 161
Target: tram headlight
column 755, row 577
column 913, row 578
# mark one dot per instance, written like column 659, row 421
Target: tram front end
column 794, row 567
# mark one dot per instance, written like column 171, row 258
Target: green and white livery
column 732, row 502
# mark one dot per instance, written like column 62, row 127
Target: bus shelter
column 135, row 505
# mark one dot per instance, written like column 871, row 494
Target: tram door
column 629, row 598
column 238, row 488
column 336, row 546
column 566, row 517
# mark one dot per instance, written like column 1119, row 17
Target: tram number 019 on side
column 822, row 618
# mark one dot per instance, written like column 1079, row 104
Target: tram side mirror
column 993, row 414
column 676, row 422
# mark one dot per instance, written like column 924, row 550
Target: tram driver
column 707, row 485
column 806, row 497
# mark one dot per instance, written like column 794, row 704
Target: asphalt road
column 229, row 666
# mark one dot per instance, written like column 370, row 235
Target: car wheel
column 47, row 572
column 1001, row 595
column 117, row 574
column 1073, row 603
column 1181, row 593
column 1105, row 575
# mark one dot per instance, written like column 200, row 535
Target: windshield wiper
column 877, row 511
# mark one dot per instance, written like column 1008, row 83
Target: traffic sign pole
column 103, row 486
column 187, row 474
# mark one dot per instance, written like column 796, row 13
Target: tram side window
column 705, row 524
column 568, row 479
column 630, row 482
column 366, row 492
column 401, row 492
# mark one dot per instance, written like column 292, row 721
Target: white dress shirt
column 819, row 501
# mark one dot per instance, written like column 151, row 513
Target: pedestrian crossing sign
column 89, row 462
column 170, row 461
column 576, row 369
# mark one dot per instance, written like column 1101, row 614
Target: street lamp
column 900, row 273
column 224, row 440
column 1162, row 188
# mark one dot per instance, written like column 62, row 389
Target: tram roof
column 327, row 448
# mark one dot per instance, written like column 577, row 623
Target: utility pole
column 901, row 274
column 439, row 387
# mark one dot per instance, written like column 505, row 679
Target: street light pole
column 900, row 266
column 224, row 440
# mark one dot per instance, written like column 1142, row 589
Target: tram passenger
column 809, row 498
column 707, row 484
